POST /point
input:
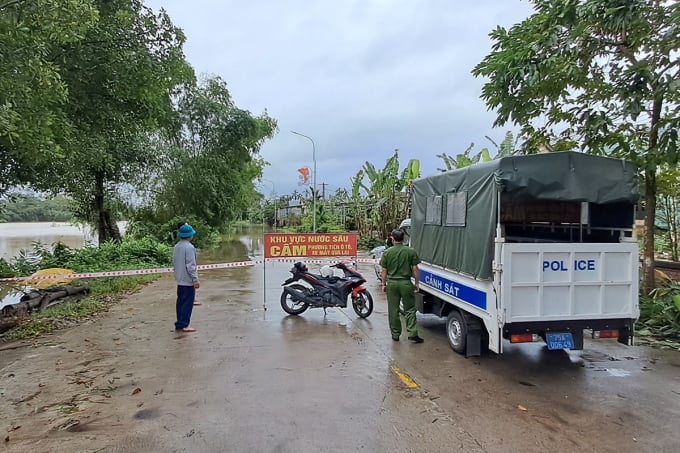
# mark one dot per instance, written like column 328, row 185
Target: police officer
column 399, row 263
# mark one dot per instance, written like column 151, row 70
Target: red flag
column 304, row 176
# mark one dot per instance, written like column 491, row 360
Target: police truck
column 534, row 248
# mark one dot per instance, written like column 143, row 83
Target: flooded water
column 17, row 236
column 239, row 245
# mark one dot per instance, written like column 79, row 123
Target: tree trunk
column 650, row 198
column 650, row 216
column 107, row 228
column 670, row 216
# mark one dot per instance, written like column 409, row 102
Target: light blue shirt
column 184, row 260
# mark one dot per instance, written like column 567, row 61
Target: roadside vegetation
column 128, row 254
column 659, row 322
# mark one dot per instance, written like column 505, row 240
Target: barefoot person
column 400, row 263
column 186, row 276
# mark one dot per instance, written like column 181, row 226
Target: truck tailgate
column 569, row 281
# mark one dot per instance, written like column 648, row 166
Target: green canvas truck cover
column 464, row 241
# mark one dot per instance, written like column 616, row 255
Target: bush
column 110, row 256
column 369, row 243
column 660, row 311
column 143, row 224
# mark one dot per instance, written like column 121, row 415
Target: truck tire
column 456, row 332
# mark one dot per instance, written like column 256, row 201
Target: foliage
column 465, row 159
column 23, row 208
column 143, row 224
column 326, row 222
column 668, row 181
column 102, row 293
column 506, row 148
column 22, row 265
column 120, row 78
column 369, row 243
column 660, row 311
column 209, row 174
column 34, row 128
column 128, row 254
column 600, row 75
column 381, row 197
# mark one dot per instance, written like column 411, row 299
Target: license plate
column 559, row 340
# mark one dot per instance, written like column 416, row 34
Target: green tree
column 27, row 208
column 121, row 79
column 602, row 75
column 668, row 181
column 33, row 124
column 210, row 174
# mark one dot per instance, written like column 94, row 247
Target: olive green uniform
column 399, row 261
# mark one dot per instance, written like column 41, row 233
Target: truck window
column 433, row 214
column 456, row 209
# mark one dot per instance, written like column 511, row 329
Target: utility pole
column 323, row 191
column 314, row 177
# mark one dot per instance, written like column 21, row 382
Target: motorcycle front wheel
column 363, row 304
column 291, row 304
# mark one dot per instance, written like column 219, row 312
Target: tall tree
column 602, row 75
column 210, row 175
column 33, row 126
column 121, row 79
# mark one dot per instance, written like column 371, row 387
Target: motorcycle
column 325, row 290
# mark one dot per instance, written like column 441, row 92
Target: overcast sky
column 360, row 77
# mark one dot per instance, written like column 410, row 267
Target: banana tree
column 387, row 195
column 508, row 147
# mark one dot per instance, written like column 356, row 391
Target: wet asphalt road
column 252, row 380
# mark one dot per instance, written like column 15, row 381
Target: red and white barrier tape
column 165, row 270
column 161, row 270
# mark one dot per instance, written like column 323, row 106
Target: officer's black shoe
column 395, row 338
column 416, row 339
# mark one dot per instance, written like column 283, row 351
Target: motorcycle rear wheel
column 290, row 304
column 363, row 304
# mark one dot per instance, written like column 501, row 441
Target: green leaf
column 676, row 301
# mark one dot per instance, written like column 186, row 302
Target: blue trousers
column 185, row 305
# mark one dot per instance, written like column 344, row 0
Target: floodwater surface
column 241, row 244
column 15, row 237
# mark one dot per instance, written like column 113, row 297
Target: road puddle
column 617, row 372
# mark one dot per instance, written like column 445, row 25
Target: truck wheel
column 456, row 332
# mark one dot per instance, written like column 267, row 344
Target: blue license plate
column 559, row 340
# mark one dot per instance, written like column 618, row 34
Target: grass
column 103, row 293
column 659, row 322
